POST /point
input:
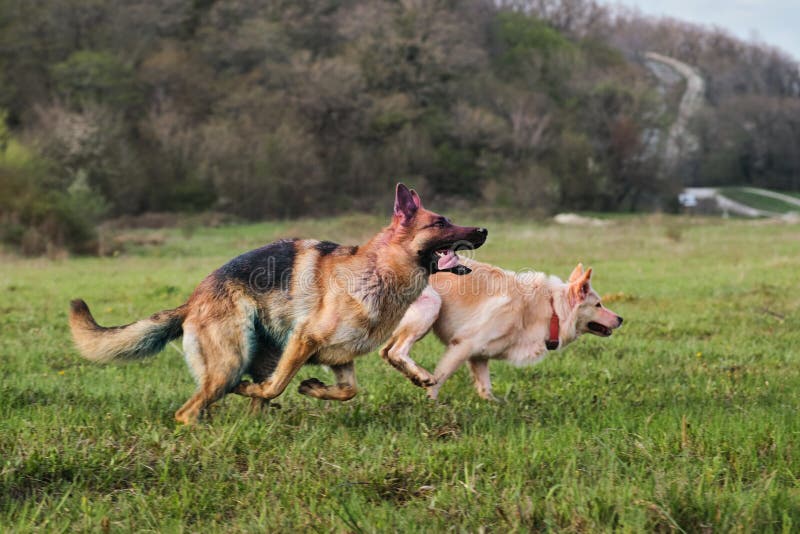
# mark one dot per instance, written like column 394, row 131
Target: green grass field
column 685, row 420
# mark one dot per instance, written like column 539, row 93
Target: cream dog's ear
column 579, row 288
column 576, row 273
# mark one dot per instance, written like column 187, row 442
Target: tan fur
column 494, row 314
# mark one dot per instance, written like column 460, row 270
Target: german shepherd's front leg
column 345, row 388
column 298, row 350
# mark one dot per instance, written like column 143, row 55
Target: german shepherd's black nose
column 479, row 236
column 619, row 320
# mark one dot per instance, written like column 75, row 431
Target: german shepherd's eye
column 440, row 223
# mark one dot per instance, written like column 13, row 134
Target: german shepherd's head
column 591, row 315
column 431, row 237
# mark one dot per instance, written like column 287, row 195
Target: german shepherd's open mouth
column 598, row 329
column 443, row 257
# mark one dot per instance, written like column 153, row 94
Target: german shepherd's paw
column 309, row 385
column 261, row 390
column 244, row 387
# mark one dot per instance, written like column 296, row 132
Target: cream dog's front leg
column 454, row 357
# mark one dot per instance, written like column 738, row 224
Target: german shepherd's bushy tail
column 133, row 341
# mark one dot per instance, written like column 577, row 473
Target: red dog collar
column 553, row 341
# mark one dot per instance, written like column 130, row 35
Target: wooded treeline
column 283, row 108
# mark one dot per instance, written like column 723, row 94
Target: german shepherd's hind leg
column 213, row 389
column 479, row 368
column 345, row 388
column 216, row 357
column 298, row 350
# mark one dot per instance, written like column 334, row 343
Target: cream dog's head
column 591, row 316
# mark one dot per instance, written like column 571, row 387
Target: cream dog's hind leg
column 480, row 376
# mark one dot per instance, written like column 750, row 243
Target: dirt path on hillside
column 679, row 138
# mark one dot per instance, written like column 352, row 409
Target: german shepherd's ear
column 577, row 272
column 581, row 285
column 417, row 200
column 406, row 203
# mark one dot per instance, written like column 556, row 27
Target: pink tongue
column 448, row 261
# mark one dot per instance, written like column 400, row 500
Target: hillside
column 275, row 109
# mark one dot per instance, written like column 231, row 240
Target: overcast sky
column 775, row 22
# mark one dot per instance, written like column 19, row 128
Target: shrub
column 40, row 212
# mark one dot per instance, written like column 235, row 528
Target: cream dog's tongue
column 448, row 260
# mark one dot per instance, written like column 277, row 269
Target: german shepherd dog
column 497, row 314
column 271, row 310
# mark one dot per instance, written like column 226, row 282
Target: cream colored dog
column 496, row 314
